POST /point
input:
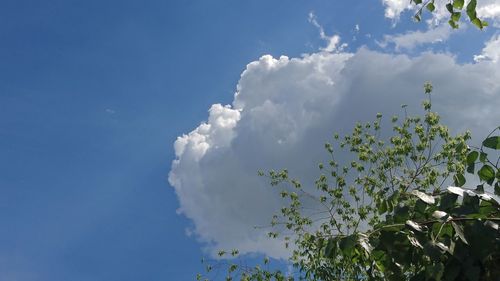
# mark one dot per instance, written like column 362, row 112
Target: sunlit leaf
column 459, row 231
column 458, row 4
column 415, row 226
column 415, row 242
column 365, row 244
column 471, row 9
column 440, row 215
column 461, row 191
column 491, row 224
column 424, row 197
column 477, row 22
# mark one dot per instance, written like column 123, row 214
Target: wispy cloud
column 333, row 42
column 413, row 39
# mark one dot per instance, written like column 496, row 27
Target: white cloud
column 332, row 41
column 283, row 112
column 489, row 9
column 412, row 39
column 395, row 7
column 491, row 51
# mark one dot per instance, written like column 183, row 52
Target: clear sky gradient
column 93, row 95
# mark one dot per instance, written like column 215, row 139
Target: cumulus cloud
column 491, row 51
column 413, row 39
column 283, row 111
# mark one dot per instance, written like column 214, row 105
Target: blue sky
column 93, row 95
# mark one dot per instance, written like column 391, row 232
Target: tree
column 455, row 8
column 397, row 210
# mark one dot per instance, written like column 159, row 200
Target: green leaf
column 497, row 188
column 477, row 22
column 330, row 248
column 472, row 157
column 471, row 9
column 458, row 4
column 382, row 207
column 470, row 202
column 453, row 24
column 448, row 201
column 482, row 157
column 492, row 142
column 420, row 208
column 430, row 7
column 347, row 244
column 394, row 198
column 487, row 174
column 417, row 1
column 443, row 229
column 424, row 197
column 471, row 168
column 319, row 244
column 401, row 213
column 456, row 16
column 379, row 257
column 432, row 250
column 459, row 179
column 486, row 209
column 449, row 7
